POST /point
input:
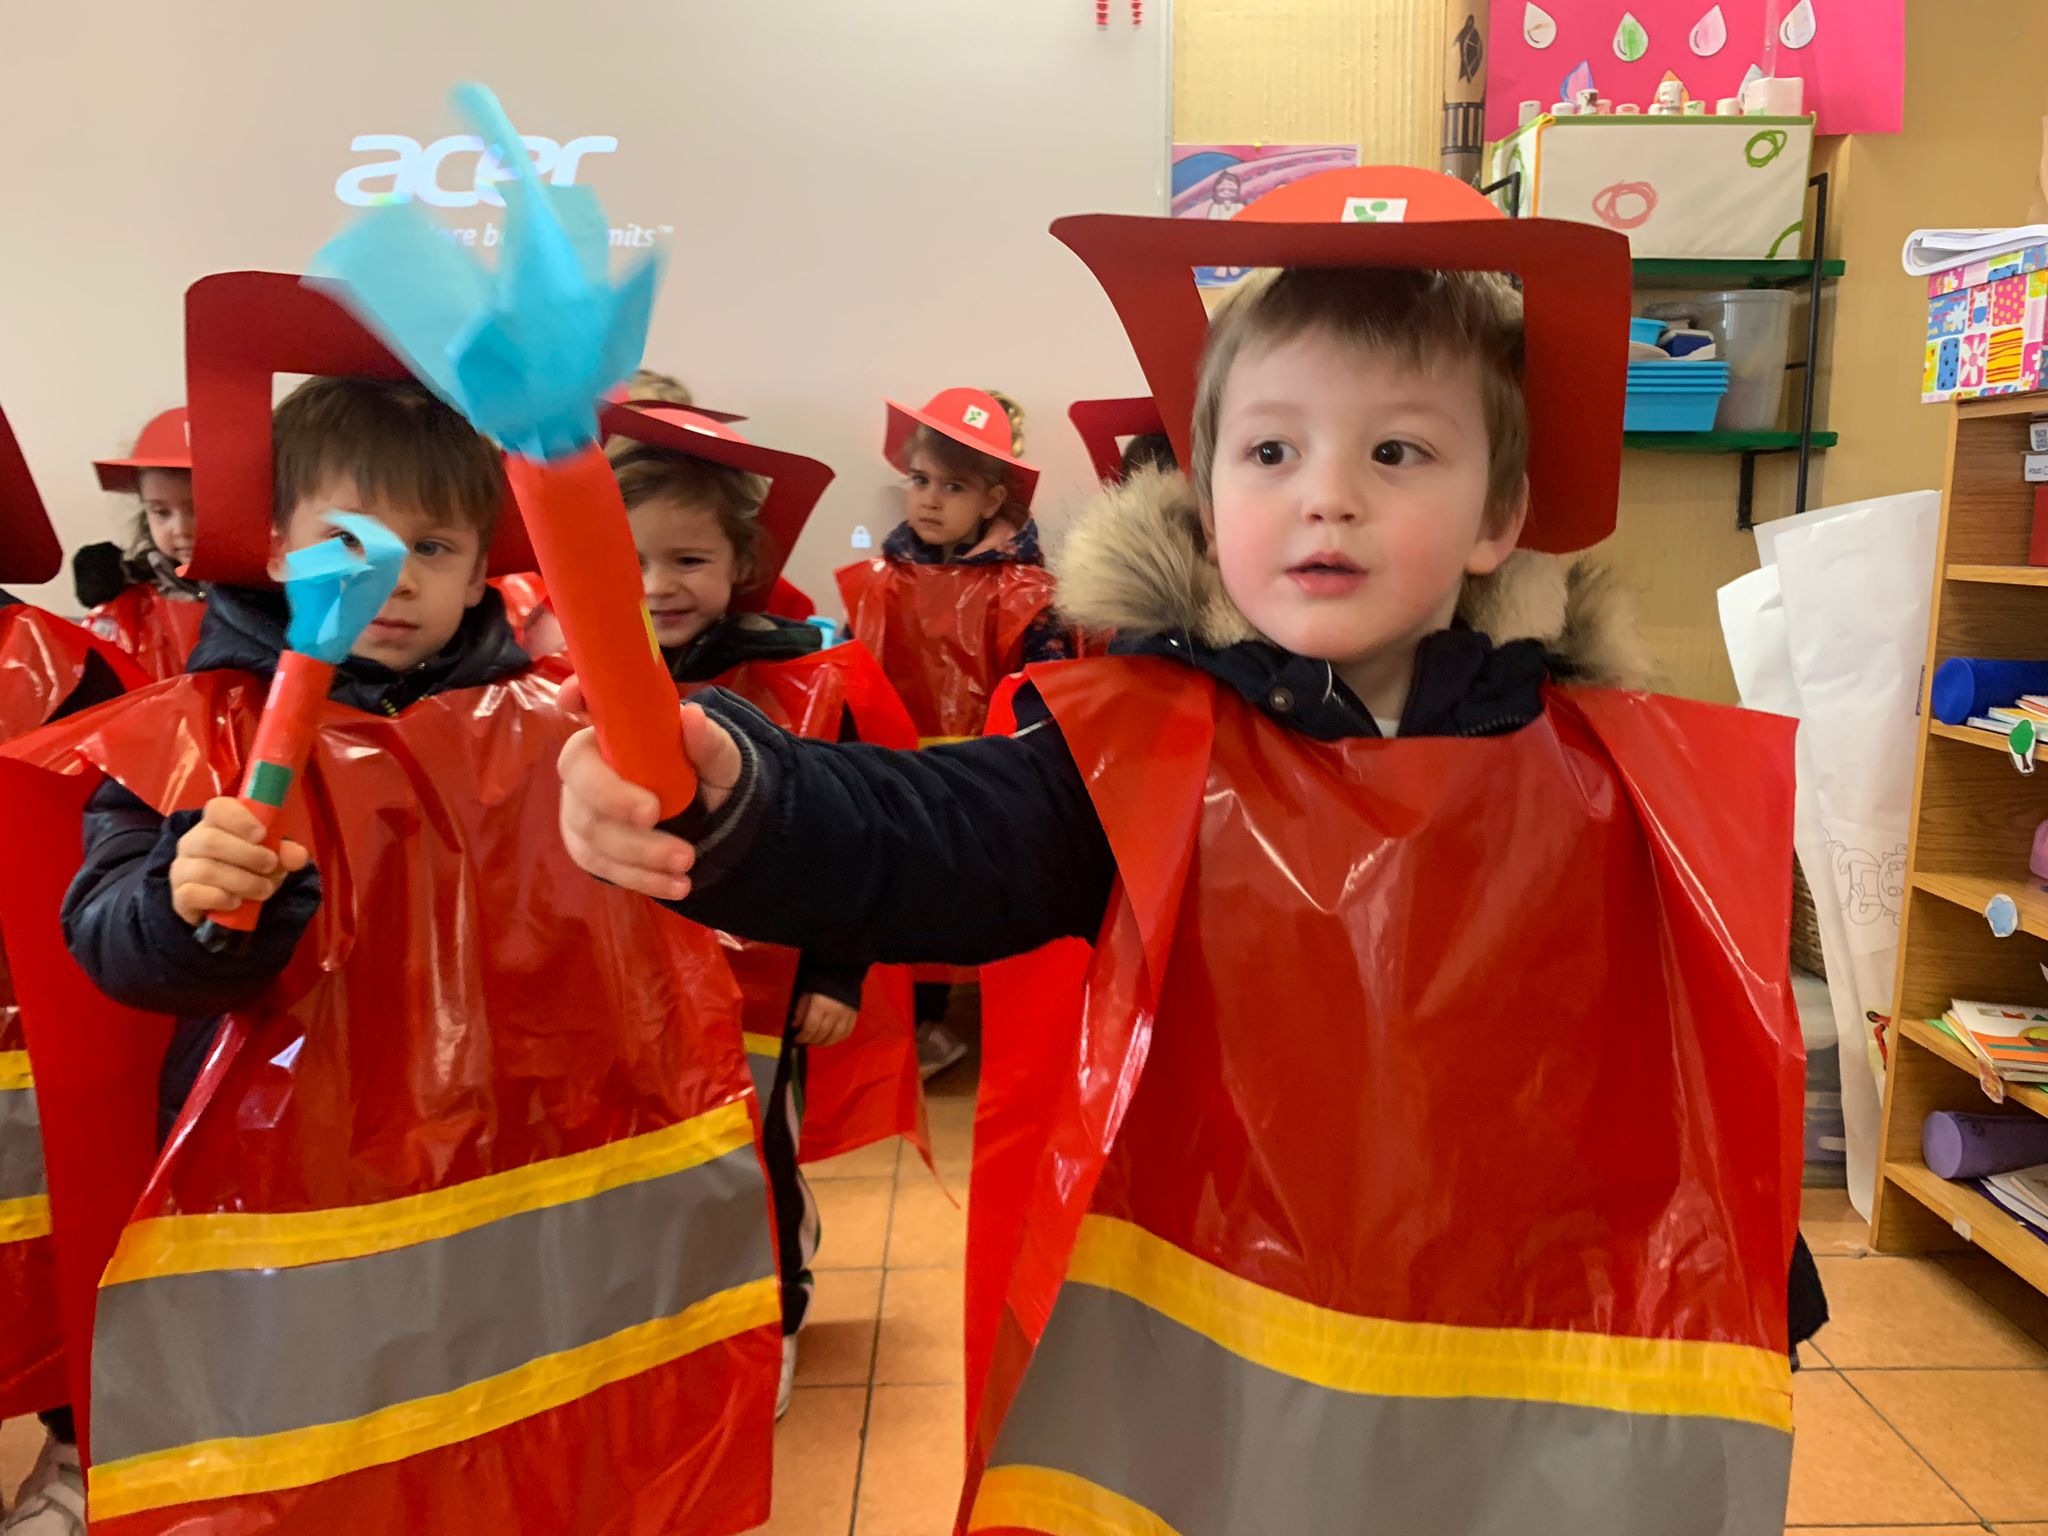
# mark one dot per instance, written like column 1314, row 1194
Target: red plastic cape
column 945, row 635
column 416, row 1042
column 158, row 631
column 1532, row 976
column 865, row 1089
column 42, row 661
column 524, row 593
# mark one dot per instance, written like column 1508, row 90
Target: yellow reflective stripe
column 219, row 1469
column 14, row 1072
column 183, row 1245
column 24, row 1219
column 763, row 1045
column 943, row 741
column 1058, row 1503
column 1396, row 1359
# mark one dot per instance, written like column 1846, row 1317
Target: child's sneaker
column 52, row 1496
column 787, row 1390
column 938, row 1048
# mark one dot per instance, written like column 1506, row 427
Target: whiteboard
column 852, row 199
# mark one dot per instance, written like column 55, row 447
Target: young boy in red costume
column 138, row 597
column 49, row 668
column 461, row 1223
column 714, row 517
column 1428, row 1160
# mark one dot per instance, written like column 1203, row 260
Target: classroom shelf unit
column 1973, row 823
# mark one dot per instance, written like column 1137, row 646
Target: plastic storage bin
column 1752, row 327
column 1649, row 330
column 1674, row 396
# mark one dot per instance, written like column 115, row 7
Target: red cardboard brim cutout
column 1575, row 290
column 29, row 550
column 241, row 330
column 1104, row 424
column 794, row 482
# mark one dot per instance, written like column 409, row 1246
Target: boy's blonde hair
column 646, row 473
column 967, row 463
column 394, row 440
column 1423, row 318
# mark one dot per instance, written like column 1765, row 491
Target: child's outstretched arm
column 146, row 882
column 958, row 855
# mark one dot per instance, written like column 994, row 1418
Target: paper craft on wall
column 1851, row 53
column 1216, row 181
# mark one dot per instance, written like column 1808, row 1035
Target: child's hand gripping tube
column 580, row 534
column 335, row 589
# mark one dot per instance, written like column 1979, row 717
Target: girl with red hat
column 959, row 598
column 714, row 516
column 136, row 596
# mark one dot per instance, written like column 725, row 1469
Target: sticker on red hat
column 1375, row 210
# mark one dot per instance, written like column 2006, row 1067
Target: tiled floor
column 1923, row 1411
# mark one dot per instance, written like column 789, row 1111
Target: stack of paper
column 2011, row 1039
column 2024, row 1193
column 1931, row 250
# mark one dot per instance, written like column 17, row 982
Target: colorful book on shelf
column 2010, row 715
column 2027, row 1187
column 2009, row 1038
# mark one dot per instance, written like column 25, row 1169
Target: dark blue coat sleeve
column 955, row 855
column 121, row 928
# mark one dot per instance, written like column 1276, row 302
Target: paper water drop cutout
column 1710, row 34
column 2003, row 914
column 862, row 539
column 1539, row 27
column 1799, row 25
column 1581, row 78
column 1753, row 73
column 1631, row 42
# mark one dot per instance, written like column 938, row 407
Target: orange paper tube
column 584, row 544
column 284, row 735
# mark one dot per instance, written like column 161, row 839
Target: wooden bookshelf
column 1973, row 824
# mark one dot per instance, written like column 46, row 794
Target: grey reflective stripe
column 763, row 1070
column 1217, row 1446
column 184, row 1358
column 21, row 1145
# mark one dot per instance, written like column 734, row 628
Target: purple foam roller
column 1960, row 1146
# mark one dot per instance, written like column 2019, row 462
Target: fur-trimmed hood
column 1135, row 561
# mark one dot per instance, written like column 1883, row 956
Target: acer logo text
column 454, row 172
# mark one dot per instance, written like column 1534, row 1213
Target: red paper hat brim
column 29, row 550
column 126, row 474
column 904, row 420
column 1105, row 424
column 241, row 330
column 1575, row 292
column 795, row 483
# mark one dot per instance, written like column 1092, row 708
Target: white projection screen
column 852, row 198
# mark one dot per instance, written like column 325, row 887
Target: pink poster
column 1850, row 53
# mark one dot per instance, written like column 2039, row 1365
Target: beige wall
column 1246, row 70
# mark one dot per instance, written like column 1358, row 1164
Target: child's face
column 1348, row 494
column 167, row 504
column 688, row 567
column 943, row 509
column 442, row 578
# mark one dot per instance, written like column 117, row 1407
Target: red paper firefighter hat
column 1105, row 424
column 794, row 482
column 29, row 550
column 242, row 329
column 1575, row 294
column 166, row 443
column 970, row 416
